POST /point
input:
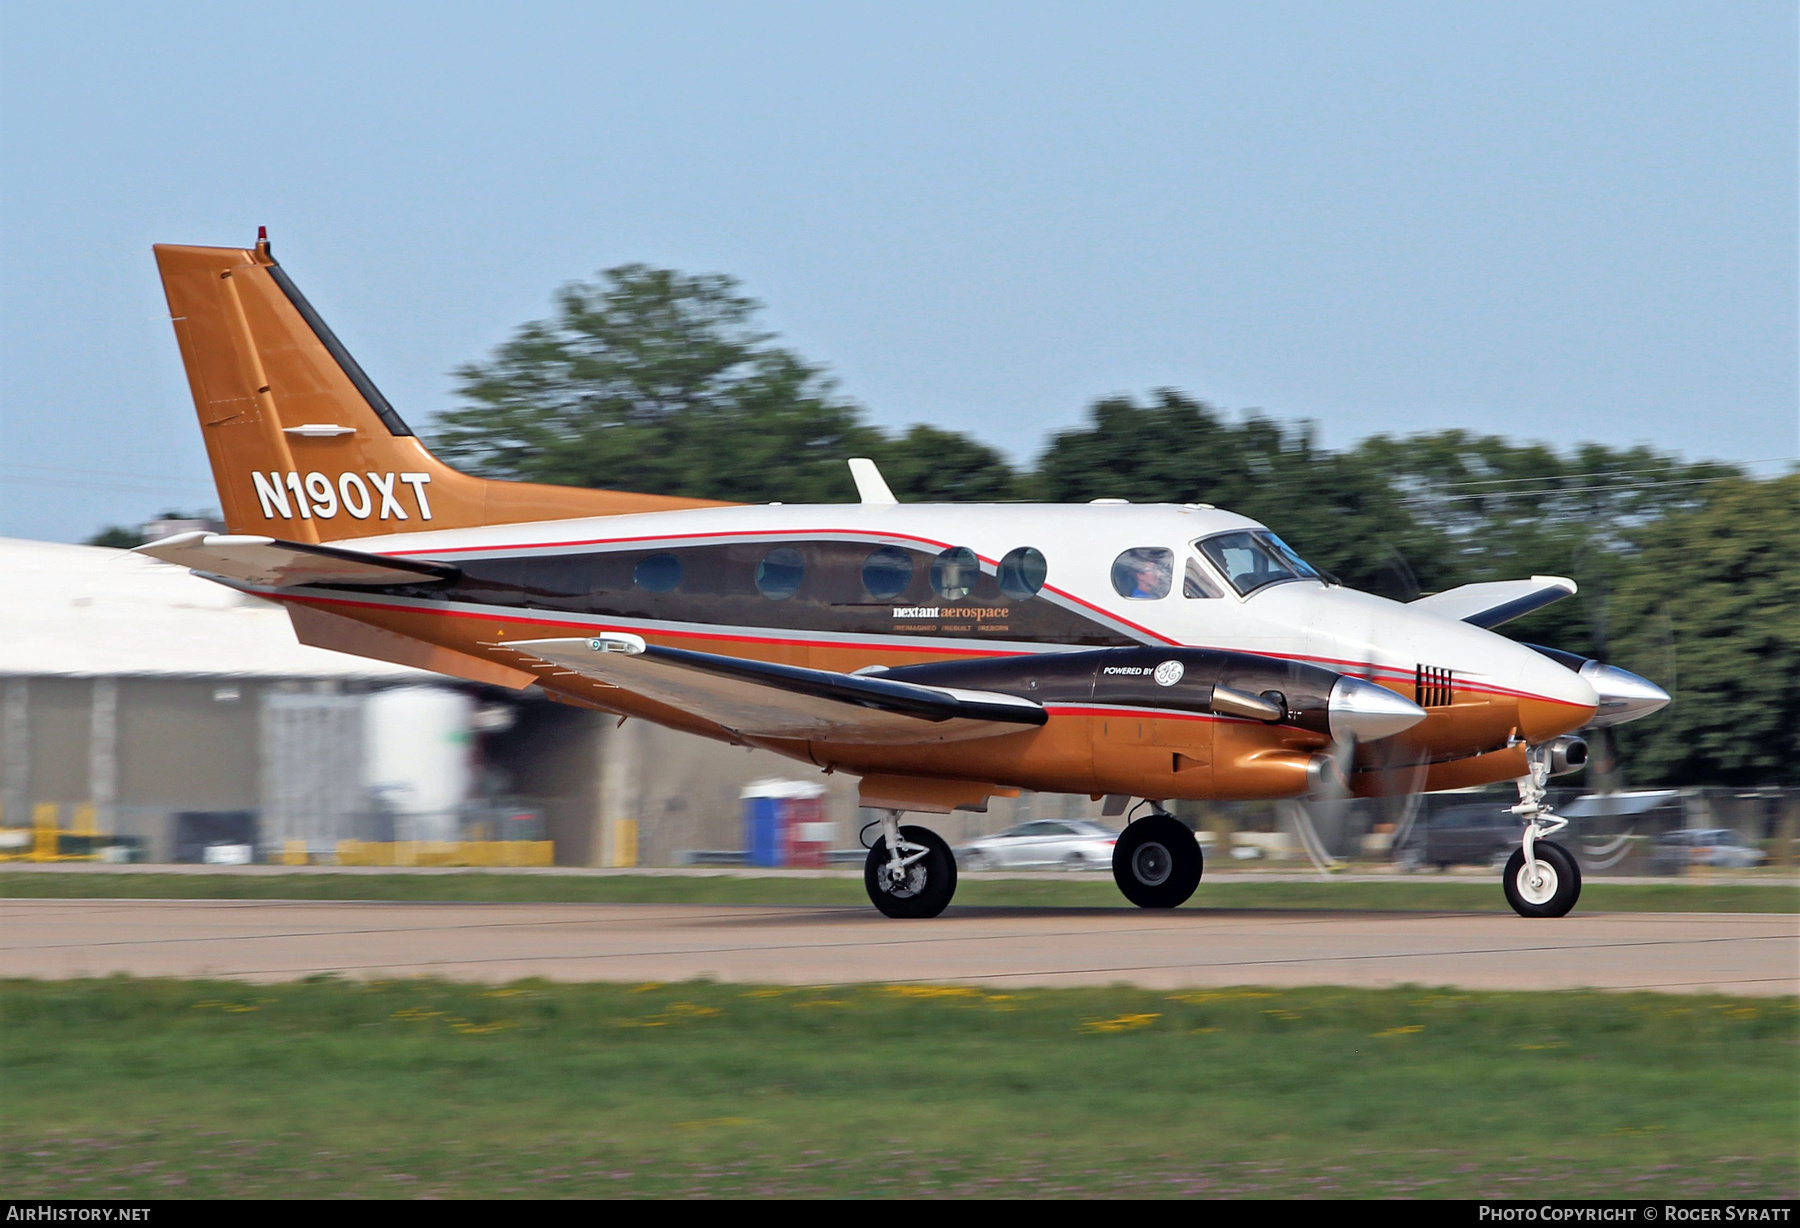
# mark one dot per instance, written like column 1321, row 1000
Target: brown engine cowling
column 1176, row 722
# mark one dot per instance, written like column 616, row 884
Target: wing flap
column 759, row 699
column 272, row 563
column 1499, row 601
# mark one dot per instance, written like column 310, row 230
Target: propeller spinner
column 1363, row 712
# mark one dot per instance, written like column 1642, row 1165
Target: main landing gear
column 1156, row 861
column 1542, row 879
column 910, row 871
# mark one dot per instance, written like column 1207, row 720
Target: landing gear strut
column 1156, row 861
column 1542, row 879
column 910, row 871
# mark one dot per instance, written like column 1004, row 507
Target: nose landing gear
column 1541, row 879
column 1546, row 886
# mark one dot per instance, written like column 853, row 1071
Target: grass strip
column 140, row 1088
column 1476, row 895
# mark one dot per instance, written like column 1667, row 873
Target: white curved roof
column 85, row 611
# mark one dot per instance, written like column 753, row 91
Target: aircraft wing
column 759, row 699
column 1500, row 601
column 271, row 562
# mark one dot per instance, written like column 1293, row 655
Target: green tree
column 116, row 537
column 1178, row 450
column 657, row 381
column 1504, row 510
column 930, row 465
column 1710, row 608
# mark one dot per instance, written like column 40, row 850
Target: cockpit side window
column 1251, row 560
column 1143, row 573
column 1196, row 583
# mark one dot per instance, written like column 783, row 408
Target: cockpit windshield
column 1252, row 559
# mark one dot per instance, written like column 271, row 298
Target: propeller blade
column 1300, row 818
column 1329, row 807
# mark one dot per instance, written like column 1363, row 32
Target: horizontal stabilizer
column 1500, row 601
column 758, row 699
column 270, row 562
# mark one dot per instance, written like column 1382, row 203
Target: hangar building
column 142, row 701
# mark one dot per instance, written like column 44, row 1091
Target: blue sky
column 1557, row 221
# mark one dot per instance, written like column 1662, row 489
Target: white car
column 1069, row 844
column 1711, row 846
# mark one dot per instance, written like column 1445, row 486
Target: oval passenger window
column 954, row 573
column 1143, row 573
column 659, row 573
column 1022, row 573
column 886, row 573
column 779, row 574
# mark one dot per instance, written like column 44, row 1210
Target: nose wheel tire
column 1553, row 892
column 920, row 889
column 1156, row 862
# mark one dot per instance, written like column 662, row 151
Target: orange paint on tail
column 303, row 446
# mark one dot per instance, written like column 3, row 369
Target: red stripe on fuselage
column 1161, row 714
column 1360, row 669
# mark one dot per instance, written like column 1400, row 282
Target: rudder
column 303, row 445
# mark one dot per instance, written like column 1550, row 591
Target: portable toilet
column 809, row 830
column 784, row 823
column 764, row 840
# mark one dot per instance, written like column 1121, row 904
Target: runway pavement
column 258, row 940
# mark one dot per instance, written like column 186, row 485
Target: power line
column 129, row 487
column 1573, row 490
column 102, row 473
column 1607, row 473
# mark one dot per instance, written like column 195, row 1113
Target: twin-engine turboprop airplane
column 941, row 653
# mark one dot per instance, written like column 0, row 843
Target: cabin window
column 659, row 573
column 954, row 573
column 887, row 573
column 779, row 573
column 1196, row 583
column 1143, row 573
column 1022, row 573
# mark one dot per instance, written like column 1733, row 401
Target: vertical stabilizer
column 303, row 445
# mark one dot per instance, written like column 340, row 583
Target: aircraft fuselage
column 1116, row 618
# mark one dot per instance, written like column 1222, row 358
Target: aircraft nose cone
column 1623, row 695
column 1367, row 712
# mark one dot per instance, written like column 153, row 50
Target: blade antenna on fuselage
column 871, row 487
